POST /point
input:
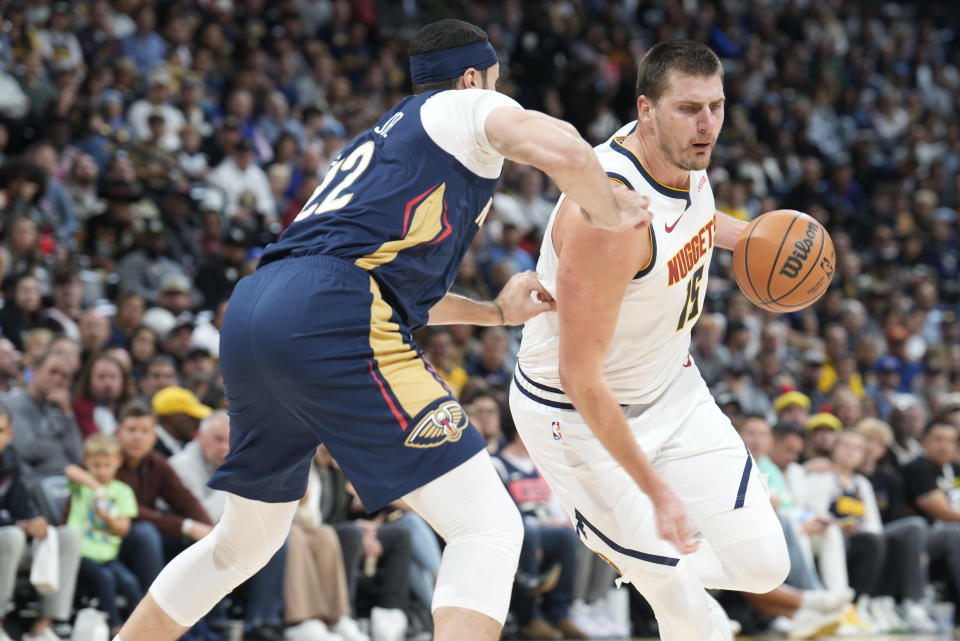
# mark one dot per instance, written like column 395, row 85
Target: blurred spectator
column 21, row 522
column 101, row 511
column 707, row 348
column 102, row 389
column 179, row 413
column 440, row 354
column 23, row 311
column 59, row 213
column 145, row 269
column 240, row 179
column 45, row 435
column 156, row 102
column 160, row 372
column 145, row 46
column 823, row 429
column 548, row 540
column 490, row 363
column 484, row 410
column 217, row 278
column 94, row 333
column 194, row 465
column 792, row 407
column 67, row 306
column 10, row 376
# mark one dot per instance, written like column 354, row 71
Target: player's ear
column 644, row 106
column 471, row 79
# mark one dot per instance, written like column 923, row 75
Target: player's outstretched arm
column 594, row 270
column 555, row 147
column 729, row 230
column 522, row 298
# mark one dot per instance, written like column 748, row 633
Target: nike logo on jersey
column 689, row 361
column 670, row 228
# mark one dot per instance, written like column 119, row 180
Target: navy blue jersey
column 398, row 206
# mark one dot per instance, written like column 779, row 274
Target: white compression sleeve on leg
column 247, row 536
column 469, row 507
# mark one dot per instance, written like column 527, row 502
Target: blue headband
column 447, row 64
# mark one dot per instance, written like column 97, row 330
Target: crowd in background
column 150, row 150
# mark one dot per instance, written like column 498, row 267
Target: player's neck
column 662, row 170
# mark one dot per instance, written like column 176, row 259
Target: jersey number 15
column 691, row 304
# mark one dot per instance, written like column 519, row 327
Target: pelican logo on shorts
column 442, row 425
column 555, row 426
column 801, row 250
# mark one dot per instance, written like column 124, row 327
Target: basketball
column 784, row 261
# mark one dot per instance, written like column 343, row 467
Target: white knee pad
column 471, row 510
column 247, row 536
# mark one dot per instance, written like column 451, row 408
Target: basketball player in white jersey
column 606, row 397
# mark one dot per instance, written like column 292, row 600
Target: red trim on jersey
column 410, row 204
column 446, row 226
column 386, row 396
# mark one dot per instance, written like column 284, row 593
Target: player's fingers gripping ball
column 784, row 260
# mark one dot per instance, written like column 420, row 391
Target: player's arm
column 554, row 147
column 937, row 505
column 729, row 230
column 522, row 298
column 594, row 270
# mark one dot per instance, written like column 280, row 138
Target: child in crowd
column 101, row 509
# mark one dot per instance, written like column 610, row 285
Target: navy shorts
column 311, row 353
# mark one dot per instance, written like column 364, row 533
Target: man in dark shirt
column 932, row 486
column 21, row 521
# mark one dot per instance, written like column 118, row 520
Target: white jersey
column 661, row 304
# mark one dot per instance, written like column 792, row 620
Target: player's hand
column 523, row 297
column 672, row 524
column 60, row 396
column 632, row 211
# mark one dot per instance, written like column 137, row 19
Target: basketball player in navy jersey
column 316, row 346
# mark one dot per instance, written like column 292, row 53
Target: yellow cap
column 824, row 419
column 177, row 400
column 784, row 401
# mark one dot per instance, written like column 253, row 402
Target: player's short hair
column 444, row 34
column 683, row 56
column 100, row 444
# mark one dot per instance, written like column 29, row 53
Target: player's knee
column 760, row 565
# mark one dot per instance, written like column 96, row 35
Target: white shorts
column 690, row 442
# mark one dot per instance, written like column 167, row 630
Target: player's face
column 687, row 119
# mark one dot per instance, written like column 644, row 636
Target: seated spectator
column 67, row 303
column 792, row 407
column 317, row 593
column 194, row 465
column 161, row 372
column 485, row 411
column 218, row 276
column 905, row 446
column 932, row 486
column 127, row 319
column 179, row 413
column 822, row 431
column 102, row 389
column 548, row 540
column 146, row 268
column 738, row 380
column 23, row 311
column 440, row 354
column 101, row 511
column 490, row 363
column 94, row 333
column 144, row 346
column 906, row 535
column 46, row 435
column 69, row 350
column 21, row 523
column 384, row 548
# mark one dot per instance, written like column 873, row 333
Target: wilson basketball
column 784, row 260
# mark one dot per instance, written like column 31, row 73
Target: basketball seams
column 746, row 263
column 823, row 241
column 773, row 264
